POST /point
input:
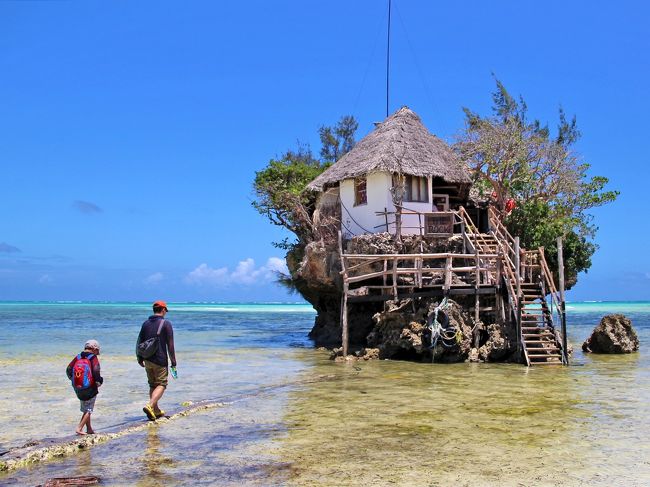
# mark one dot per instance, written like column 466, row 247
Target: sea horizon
column 148, row 303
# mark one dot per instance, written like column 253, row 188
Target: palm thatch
column 400, row 144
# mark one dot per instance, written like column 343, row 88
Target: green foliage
column 279, row 192
column 337, row 140
column 280, row 188
column 513, row 157
column 533, row 221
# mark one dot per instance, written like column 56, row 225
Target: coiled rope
column 448, row 336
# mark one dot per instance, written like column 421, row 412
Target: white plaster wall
column 411, row 223
column 362, row 219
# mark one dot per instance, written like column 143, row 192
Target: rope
column 350, row 232
column 450, row 336
column 350, row 215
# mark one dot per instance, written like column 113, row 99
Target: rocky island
column 409, row 248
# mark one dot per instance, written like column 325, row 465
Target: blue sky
column 130, row 131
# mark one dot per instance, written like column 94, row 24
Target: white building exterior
column 371, row 217
column 399, row 155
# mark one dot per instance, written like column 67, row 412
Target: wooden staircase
column 540, row 342
column 527, row 279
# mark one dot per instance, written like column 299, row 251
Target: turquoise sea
column 293, row 417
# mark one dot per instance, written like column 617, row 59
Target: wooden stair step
column 551, row 355
column 542, row 349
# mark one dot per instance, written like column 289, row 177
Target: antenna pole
column 388, row 59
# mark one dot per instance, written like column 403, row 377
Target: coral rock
column 614, row 334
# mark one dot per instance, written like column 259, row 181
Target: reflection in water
column 156, row 465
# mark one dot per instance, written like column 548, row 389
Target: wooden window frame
column 360, row 191
column 408, row 196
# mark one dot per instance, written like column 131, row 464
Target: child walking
column 84, row 372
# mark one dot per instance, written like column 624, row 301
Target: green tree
column 512, row 157
column 280, row 188
column 337, row 140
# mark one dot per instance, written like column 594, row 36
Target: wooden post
column 498, row 276
column 462, row 230
column 476, row 300
column 398, row 223
column 517, row 266
column 560, row 260
column 476, row 318
column 386, row 216
column 517, row 300
column 395, row 278
column 501, row 312
column 344, row 301
column 448, row 273
column 344, row 326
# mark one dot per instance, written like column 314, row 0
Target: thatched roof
column 400, row 144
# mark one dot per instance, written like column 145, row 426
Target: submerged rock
column 72, row 481
column 614, row 334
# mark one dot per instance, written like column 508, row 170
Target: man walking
column 155, row 342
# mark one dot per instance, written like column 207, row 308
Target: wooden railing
column 440, row 223
column 419, row 270
column 550, row 289
column 531, row 266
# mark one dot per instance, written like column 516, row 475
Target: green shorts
column 156, row 374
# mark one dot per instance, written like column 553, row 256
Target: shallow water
column 370, row 423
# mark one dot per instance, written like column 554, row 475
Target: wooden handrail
column 548, row 278
column 442, row 255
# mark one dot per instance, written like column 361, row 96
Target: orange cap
column 160, row 304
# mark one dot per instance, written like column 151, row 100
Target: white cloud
column 245, row 273
column 154, row 278
column 277, row 264
column 204, row 274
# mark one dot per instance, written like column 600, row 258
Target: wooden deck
column 488, row 262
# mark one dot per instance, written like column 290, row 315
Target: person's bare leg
column 89, row 428
column 85, row 418
column 154, row 396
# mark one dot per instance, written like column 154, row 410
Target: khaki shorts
column 156, row 374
